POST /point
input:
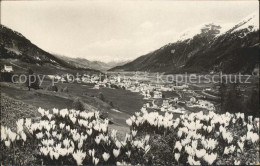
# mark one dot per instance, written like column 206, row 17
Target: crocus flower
column 7, row 143
column 236, row 162
column 210, row 158
column 200, row 153
column 62, row 125
column 129, row 122
column 178, row 146
column 3, row 133
column 254, row 137
column 89, row 132
column 66, row 142
column 79, row 156
column 147, row 148
column 95, row 160
column 41, row 111
column 55, row 111
column 91, row 152
column 12, row 136
column 177, row 156
column 39, row 135
column 23, row 136
column 80, row 144
column 105, row 156
column 116, row 152
column 97, row 139
column 241, row 145
column 118, row 144
column 134, row 132
column 128, row 153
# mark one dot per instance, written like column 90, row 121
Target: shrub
column 101, row 96
column 111, row 104
column 77, row 105
column 53, row 88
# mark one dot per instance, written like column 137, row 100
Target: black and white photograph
column 127, row 82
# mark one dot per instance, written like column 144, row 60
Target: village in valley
column 162, row 97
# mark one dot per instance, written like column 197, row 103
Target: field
column 161, row 132
column 125, row 103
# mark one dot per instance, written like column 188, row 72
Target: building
column 7, row 69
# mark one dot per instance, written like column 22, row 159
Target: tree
column 101, row 96
column 78, row 105
column 231, row 98
column 253, row 103
column 111, row 104
column 32, row 80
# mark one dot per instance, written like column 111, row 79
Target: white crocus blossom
column 210, row 158
column 118, row 144
column 79, row 156
column 12, row 136
column 128, row 153
column 134, row 132
column 200, row 153
column 19, row 125
column 62, row 125
column 241, row 145
column 28, row 123
column 44, row 150
column 80, row 144
column 147, row 148
column 91, row 152
column 129, row 122
column 178, row 146
column 98, row 139
column 177, row 156
column 254, row 137
column 226, row 150
column 55, row 111
column 66, row 142
column 236, row 162
column 116, row 152
column 105, row 156
column 23, row 136
column 76, row 137
column 7, row 143
column 41, row 111
column 89, row 132
column 64, row 112
column 95, row 160
column 191, row 161
column 3, row 133
column 39, row 135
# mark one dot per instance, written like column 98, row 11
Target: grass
column 127, row 102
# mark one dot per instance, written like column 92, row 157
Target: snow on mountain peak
column 200, row 29
column 251, row 23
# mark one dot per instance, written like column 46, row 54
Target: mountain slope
column 83, row 63
column 208, row 49
column 14, row 46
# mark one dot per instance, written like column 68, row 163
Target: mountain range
column 97, row 65
column 19, row 51
column 206, row 48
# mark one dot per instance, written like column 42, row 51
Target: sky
column 114, row 30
